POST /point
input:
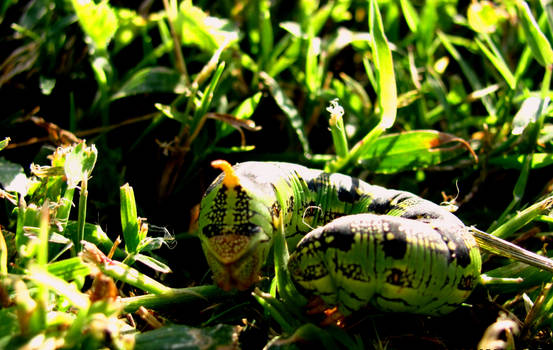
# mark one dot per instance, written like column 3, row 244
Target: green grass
column 447, row 100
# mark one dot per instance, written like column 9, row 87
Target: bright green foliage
column 98, row 21
column 449, row 100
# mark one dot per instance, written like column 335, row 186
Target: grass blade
column 498, row 62
column 386, row 89
column 537, row 41
column 287, row 106
column 129, row 219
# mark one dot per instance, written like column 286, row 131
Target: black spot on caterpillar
column 370, row 246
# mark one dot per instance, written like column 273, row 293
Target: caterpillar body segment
column 402, row 253
column 391, row 263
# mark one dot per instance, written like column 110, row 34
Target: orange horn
column 230, row 180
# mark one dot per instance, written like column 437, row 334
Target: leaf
column 98, row 21
column 207, row 97
column 540, row 46
column 130, row 24
column 69, row 269
column 412, row 150
column 4, row 143
column 152, row 80
column 386, row 81
column 12, row 177
column 129, row 218
column 411, row 16
column 209, row 33
column 265, row 29
column 152, row 263
column 175, row 337
column 528, row 113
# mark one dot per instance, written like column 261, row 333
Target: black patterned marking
column 216, row 213
column 379, row 206
column 340, row 238
column 466, row 283
column 354, row 271
column 241, row 211
column 313, row 272
column 318, row 183
column 350, row 195
column 395, row 247
column 246, row 229
column 395, row 277
column 399, row 278
column 212, row 230
column 462, row 254
column 290, row 205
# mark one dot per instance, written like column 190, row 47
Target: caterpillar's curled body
column 370, row 246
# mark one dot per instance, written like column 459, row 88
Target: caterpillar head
column 235, row 228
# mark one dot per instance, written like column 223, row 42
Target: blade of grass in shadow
column 180, row 296
column 287, row 106
column 386, row 92
column 174, row 337
column 541, row 312
column 518, row 192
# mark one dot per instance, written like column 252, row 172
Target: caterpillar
column 371, row 246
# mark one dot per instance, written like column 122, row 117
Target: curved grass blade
column 498, row 62
column 152, row 80
column 412, row 150
column 537, row 41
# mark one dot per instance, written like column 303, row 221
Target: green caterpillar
column 371, row 246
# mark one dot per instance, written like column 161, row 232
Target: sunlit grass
column 391, row 91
